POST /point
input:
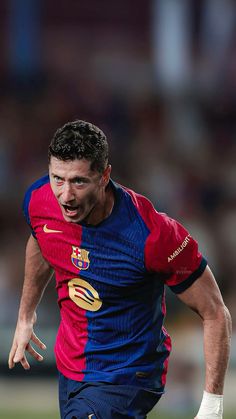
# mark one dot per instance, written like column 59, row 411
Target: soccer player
column 112, row 254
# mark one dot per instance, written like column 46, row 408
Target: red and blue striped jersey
column 110, row 280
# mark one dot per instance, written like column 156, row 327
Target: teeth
column 70, row 210
column 67, row 207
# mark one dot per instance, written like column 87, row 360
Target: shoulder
column 38, row 184
column 41, row 185
column 142, row 203
column 154, row 219
column 158, row 223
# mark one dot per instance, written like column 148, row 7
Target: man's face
column 77, row 188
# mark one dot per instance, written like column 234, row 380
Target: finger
column 24, row 363
column 34, row 353
column 37, row 341
column 19, row 354
column 20, row 357
column 11, row 363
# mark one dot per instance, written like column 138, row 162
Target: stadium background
column 159, row 77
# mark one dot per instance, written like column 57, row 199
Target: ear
column 106, row 175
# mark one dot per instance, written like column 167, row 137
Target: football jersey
column 110, row 280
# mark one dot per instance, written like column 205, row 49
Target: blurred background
column 159, row 77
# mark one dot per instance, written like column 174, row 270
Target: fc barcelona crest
column 79, row 258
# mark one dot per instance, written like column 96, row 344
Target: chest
column 103, row 255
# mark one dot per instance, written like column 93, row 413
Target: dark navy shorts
column 80, row 400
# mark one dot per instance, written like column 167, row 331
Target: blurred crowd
column 158, row 79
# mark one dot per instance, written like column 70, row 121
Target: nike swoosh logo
column 90, row 416
column 49, row 230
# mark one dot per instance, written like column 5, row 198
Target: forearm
column 204, row 298
column 217, row 336
column 37, row 275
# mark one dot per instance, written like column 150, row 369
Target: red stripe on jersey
column 72, row 335
column 167, row 344
column 70, row 345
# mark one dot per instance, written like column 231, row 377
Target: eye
column 79, row 182
column 58, row 180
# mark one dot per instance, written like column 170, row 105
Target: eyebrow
column 75, row 178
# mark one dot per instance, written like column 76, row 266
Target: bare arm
column 37, row 275
column 204, row 297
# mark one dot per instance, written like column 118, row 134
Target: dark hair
column 78, row 140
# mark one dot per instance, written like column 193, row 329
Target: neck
column 103, row 207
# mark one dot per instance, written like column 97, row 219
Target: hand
column 21, row 343
column 211, row 416
column 211, row 406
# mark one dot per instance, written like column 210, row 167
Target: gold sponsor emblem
column 84, row 295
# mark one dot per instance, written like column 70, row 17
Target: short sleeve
column 25, row 208
column 172, row 252
column 27, row 200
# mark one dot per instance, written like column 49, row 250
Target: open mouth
column 70, row 210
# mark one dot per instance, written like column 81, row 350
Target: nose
column 67, row 194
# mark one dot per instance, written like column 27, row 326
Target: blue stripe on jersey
column 40, row 182
column 190, row 280
column 123, row 332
